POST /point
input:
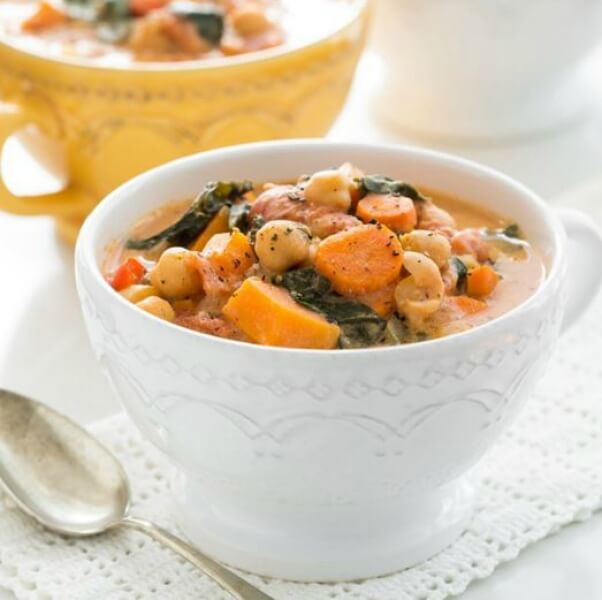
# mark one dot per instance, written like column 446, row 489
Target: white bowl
column 326, row 465
column 485, row 69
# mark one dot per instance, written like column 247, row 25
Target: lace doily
column 544, row 473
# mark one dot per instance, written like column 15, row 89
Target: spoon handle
column 238, row 587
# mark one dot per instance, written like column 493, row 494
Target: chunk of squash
column 231, row 254
column 45, row 16
column 268, row 315
column 219, row 224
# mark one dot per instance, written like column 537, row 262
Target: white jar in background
column 484, row 68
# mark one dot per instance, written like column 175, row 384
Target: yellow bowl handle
column 70, row 202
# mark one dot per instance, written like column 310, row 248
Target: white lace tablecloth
column 544, row 473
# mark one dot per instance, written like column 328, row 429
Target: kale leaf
column 380, row 184
column 206, row 18
column 257, row 222
column 239, row 216
column 360, row 325
column 461, row 271
column 512, row 231
column 198, row 216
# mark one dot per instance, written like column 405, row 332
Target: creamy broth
column 460, row 266
column 144, row 39
column 520, row 278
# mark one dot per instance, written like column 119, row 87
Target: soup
column 119, row 32
column 337, row 259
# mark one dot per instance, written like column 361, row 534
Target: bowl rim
column 85, row 253
column 357, row 9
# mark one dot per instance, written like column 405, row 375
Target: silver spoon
column 60, row 475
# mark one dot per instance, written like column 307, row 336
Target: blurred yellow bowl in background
column 88, row 128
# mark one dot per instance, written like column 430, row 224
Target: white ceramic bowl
column 485, row 69
column 327, row 465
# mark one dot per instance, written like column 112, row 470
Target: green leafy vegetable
column 114, row 30
column 380, row 184
column 197, row 217
column 84, row 10
column 512, row 231
column 461, row 270
column 396, row 332
column 98, row 10
column 257, row 222
column 112, row 17
column 114, row 23
column 239, row 216
column 360, row 325
column 115, row 9
column 208, row 19
column 507, row 240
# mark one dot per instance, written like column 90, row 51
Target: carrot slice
column 481, row 281
column 45, row 16
column 268, row 315
column 360, row 260
column 396, row 212
column 466, row 304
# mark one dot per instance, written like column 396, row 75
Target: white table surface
column 44, row 351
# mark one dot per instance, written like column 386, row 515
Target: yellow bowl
column 109, row 124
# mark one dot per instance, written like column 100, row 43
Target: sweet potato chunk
column 230, row 253
column 45, row 16
column 219, row 224
column 268, row 315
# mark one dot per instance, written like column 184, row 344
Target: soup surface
column 337, row 259
column 120, row 32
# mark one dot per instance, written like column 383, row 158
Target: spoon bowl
column 60, row 475
column 68, row 482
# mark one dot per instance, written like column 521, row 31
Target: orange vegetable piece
column 360, row 260
column 45, row 16
column 216, row 286
column 142, row 7
column 396, row 212
column 219, row 224
column 382, row 301
column 268, row 315
column 231, row 254
column 128, row 273
column 466, row 304
column 481, row 281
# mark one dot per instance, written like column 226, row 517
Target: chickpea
column 421, row 293
column 136, row 293
column 157, row 307
column 282, row 244
column 329, row 188
column 434, row 245
column 173, row 276
column 250, row 19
